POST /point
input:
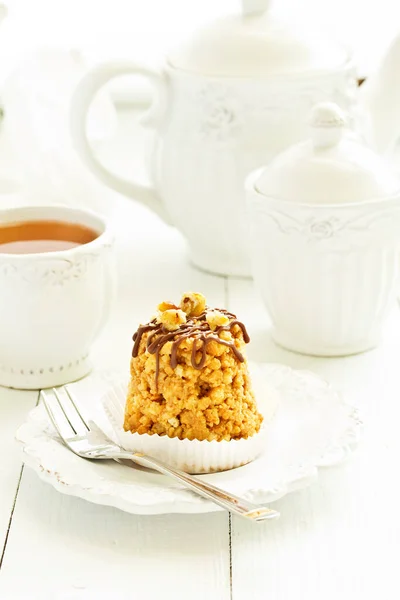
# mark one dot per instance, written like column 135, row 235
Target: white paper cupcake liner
column 192, row 456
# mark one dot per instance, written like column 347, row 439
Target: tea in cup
column 56, row 287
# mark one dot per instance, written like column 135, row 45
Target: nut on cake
column 189, row 375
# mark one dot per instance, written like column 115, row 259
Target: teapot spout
column 380, row 102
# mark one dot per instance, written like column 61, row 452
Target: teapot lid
column 257, row 43
column 329, row 168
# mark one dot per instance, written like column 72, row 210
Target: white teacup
column 53, row 304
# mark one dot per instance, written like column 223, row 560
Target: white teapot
column 325, row 237
column 225, row 103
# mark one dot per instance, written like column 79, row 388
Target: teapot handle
column 84, row 93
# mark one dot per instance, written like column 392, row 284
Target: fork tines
column 64, row 413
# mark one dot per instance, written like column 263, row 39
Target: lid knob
column 253, row 7
column 327, row 122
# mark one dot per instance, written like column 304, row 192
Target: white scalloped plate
column 312, row 428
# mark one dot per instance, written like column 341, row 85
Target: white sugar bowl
column 325, row 230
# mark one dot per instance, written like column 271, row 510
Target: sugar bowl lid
column 257, row 43
column 332, row 167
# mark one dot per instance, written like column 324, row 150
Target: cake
column 189, row 376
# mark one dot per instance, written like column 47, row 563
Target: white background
column 146, row 28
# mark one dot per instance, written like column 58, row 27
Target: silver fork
column 91, row 444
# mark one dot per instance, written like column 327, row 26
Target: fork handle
column 226, row 500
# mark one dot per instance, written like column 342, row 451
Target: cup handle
column 84, row 93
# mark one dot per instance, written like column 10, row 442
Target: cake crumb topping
column 192, row 381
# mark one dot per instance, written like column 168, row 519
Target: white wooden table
column 339, row 539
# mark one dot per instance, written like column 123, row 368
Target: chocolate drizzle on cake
column 196, row 328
